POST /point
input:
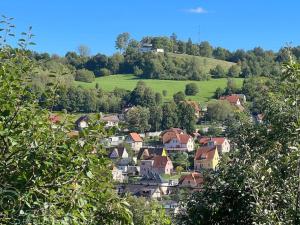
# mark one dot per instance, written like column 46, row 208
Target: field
column 128, row 82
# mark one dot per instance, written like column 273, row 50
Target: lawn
column 128, row 82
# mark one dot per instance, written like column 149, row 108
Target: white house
column 175, row 139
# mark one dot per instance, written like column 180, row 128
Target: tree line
column 84, row 67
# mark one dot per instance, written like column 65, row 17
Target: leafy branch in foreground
column 47, row 177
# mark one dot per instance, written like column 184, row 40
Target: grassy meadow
column 128, row 82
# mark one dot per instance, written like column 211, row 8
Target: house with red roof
column 206, row 157
column 156, row 165
column 135, row 141
column 232, row 99
column 222, row 143
column 191, row 180
column 175, row 139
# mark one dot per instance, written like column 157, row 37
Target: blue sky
column 62, row 25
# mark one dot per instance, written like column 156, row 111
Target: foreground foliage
column 47, row 176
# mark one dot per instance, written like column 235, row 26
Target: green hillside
column 206, row 63
column 128, row 82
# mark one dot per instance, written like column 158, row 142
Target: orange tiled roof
column 218, row 140
column 206, row 152
column 135, row 137
column 175, row 133
column 195, row 177
column 232, row 99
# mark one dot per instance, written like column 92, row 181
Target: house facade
column 118, row 153
column 156, row 165
column 175, row 139
column 146, row 167
column 192, row 180
column 232, row 99
column 206, row 157
column 222, row 143
column 135, row 141
column 118, row 175
column 111, row 121
column 146, row 152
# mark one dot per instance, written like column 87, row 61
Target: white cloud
column 197, row 10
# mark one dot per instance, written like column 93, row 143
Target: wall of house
column 190, row 145
column 225, row 146
column 174, row 143
column 136, row 146
column 146, row 167
column 207, row 164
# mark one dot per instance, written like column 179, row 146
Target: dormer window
column 203, row 156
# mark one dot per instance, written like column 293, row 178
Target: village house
column 222, row 143
column 175, row 139
column 111, row 121
column 206, row 157
column 82, row 122
column 234, row 100
column 148, row 47
column 135, row 141
column 118, row 153
column 147, row 152
column 118, row 175
column 113, row 141
column 191, row 180
column 133, row 170
column 149, row 192
column 156, row 165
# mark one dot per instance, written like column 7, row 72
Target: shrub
column 234, row 71
column 218, row 72
column 164, row 92
column 178, row 97
column 105, row 72
column 191, row 89
column 84, row 75
column 137, row 71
